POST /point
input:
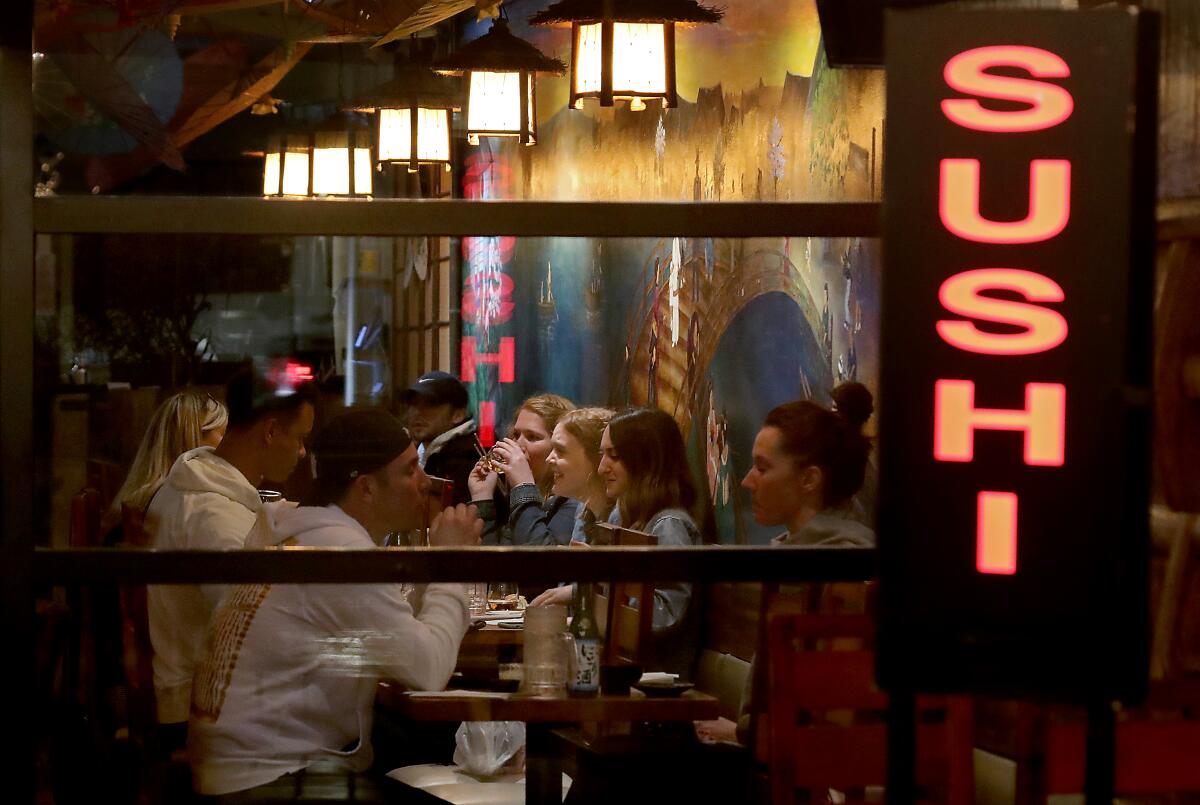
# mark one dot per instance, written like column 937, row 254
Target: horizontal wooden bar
column 189, row 215
column 545, row 565
column 1179, row 219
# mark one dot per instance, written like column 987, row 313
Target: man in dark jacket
column 438, row 420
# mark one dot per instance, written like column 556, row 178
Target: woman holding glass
column 521, row 510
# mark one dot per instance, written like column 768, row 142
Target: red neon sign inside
column 1043, row 420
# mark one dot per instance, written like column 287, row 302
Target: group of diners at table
column 266, row 683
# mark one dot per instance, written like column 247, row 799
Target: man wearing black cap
column 437, row 418
column 283, row 698
column 208, row 502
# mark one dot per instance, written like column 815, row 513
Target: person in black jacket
column 438, row 420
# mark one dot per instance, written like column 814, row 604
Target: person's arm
column 218, row 524
column 416, row 648
column 671, row 599
column 537, row 522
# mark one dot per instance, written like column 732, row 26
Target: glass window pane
column 760, row 115
column 715, row 331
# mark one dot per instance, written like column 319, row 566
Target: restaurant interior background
column 691, row 325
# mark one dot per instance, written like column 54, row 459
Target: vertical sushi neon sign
column 1033, row 327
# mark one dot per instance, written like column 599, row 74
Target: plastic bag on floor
column 483, row 747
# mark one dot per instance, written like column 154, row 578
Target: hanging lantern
column 414, row 113
column 501, row 73
column 341, row 157
column 287, row 164
column 624, row 49
column 332, row 160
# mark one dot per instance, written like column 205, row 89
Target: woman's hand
column 515, row 463
column 720, row 730
column 555, row 595
column 481, row 483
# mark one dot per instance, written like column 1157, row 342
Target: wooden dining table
column 542, row 715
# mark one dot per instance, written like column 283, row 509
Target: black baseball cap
column 438, row 388
column 358, row 442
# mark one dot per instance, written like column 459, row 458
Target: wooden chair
column 625, row 610
column 161, row 777
column 1158, row 741
column 79, row 667
column 827, row 718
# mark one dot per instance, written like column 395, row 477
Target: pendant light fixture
column 341, row 157
column 624, row 49
column 501, row 70
column 414, row 113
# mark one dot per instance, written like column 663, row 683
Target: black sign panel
column 1014, row 410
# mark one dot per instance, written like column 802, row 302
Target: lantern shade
column 333, row 160
column 415, row 107
column 624, row 49
column 429, row 128
column 287, row 165
column 502, row 70
column 341, row 157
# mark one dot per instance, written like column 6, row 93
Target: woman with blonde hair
column 184, row 421
column 522, row 510
column 574, row 457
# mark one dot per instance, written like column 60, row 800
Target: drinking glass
column 501, row 595
column 477, row 598
column 545, row 650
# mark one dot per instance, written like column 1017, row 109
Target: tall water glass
column 545, row 650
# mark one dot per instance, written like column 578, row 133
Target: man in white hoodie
column 208, row 502
column 286, row 689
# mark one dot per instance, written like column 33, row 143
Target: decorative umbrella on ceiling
column 104, row 93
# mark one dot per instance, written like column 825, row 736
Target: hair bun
column 854, row 402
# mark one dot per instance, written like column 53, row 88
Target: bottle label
column 585, row 666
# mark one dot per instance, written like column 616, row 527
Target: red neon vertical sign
column 1043, row 420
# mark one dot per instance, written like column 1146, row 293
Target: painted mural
column 714, row 331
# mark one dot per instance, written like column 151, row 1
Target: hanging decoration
column 501, row 70
column 413, row 118
column 624, row 49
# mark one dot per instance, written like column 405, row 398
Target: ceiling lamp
column 501, row 72
column 624, row 49
column 413, row 121
column 287, row 164
column 341, row 157
column 332, row 160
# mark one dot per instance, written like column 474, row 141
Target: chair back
column 137, row 652
column 625, row 610
column 827, row 718
column 87, row 507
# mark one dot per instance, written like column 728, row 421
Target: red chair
column 162, row 779
column 826, row 720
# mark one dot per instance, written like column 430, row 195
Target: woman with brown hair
column 808, row 462
column 522, row 511
column 644, row 468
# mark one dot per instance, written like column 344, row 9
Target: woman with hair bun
column 808, row 461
